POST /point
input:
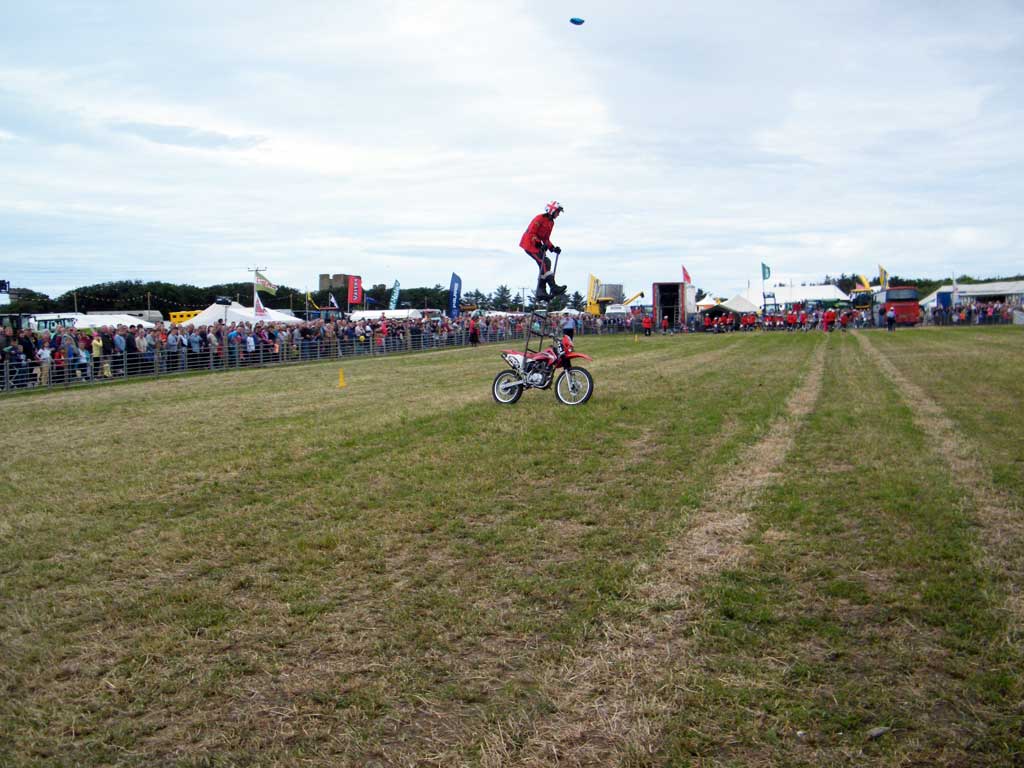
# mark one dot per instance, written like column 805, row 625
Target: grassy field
column 751, row 549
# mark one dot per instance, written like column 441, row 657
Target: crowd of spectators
column 30, row 358
column 827, row 319
column 979, row 313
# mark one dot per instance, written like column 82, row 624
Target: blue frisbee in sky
column 576, row 20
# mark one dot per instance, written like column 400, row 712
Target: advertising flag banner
column 395, row 289
column 766, row 271
column 309, row 298
column 355, row 289
column 686, row 276
column 262, row 284
column 883, row 277
column 258, row 309
column 454, row 296
column 332, row 302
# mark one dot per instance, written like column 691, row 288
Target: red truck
column 901, row 297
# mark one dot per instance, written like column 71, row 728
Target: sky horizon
column 403, row 141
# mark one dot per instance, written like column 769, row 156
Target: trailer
column 677, row 300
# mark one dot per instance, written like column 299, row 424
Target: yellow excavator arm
column 633, row 298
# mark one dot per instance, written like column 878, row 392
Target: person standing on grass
column 97, row 355
column 569, row 326
column 890, row 320
column 212, row 344
column 648, row 323
column 44, row 353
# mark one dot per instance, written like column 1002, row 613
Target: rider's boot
column 541, row 293
column 556, row 290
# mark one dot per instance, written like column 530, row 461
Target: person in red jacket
column 536, row 241
column 648, row 324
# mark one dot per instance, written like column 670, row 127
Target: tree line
column 122, row 295
column 132, row 295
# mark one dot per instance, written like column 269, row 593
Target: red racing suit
column 536, row 240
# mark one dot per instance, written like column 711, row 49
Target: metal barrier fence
column 162, row 362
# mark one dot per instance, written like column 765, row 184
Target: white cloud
column 405, row 140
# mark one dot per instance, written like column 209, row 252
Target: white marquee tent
column 1010, row 290
column 740, row 304
column 388, row 314
column 236, row 313
column 51, row 320
column 794, row 294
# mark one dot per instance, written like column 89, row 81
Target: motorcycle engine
column 537, row 373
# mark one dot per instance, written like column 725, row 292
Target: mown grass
column 864, row 606
column 258, row 567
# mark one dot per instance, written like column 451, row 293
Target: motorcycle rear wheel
column 507, row 387
column 574, row 386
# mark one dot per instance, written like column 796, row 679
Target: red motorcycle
column 536, row 370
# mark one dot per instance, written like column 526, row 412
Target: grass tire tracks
column 1003, row 529
column 605, row 701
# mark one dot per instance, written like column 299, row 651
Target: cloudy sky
column 405, row 139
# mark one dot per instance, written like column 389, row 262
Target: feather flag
column 355, row 289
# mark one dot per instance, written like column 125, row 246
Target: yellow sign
column 183, row 317
column 341, row 378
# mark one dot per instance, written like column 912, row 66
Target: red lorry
column 904, row 299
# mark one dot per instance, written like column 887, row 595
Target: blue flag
column 454, row 296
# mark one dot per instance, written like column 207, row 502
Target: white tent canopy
column 795, row 294
column 973, row 291
column 51, row 320
column 706, row 303
column 236, row 313
column 739, row 304
column 389, row 314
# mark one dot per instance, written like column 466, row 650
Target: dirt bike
column 536, row 370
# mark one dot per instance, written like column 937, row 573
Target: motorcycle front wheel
column 507, row 387
column 574, row 386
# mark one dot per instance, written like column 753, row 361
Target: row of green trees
column 171, row 297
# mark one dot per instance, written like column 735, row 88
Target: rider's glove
column 541, row 248
column 555, row 249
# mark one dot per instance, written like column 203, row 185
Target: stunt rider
column 535, row 241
